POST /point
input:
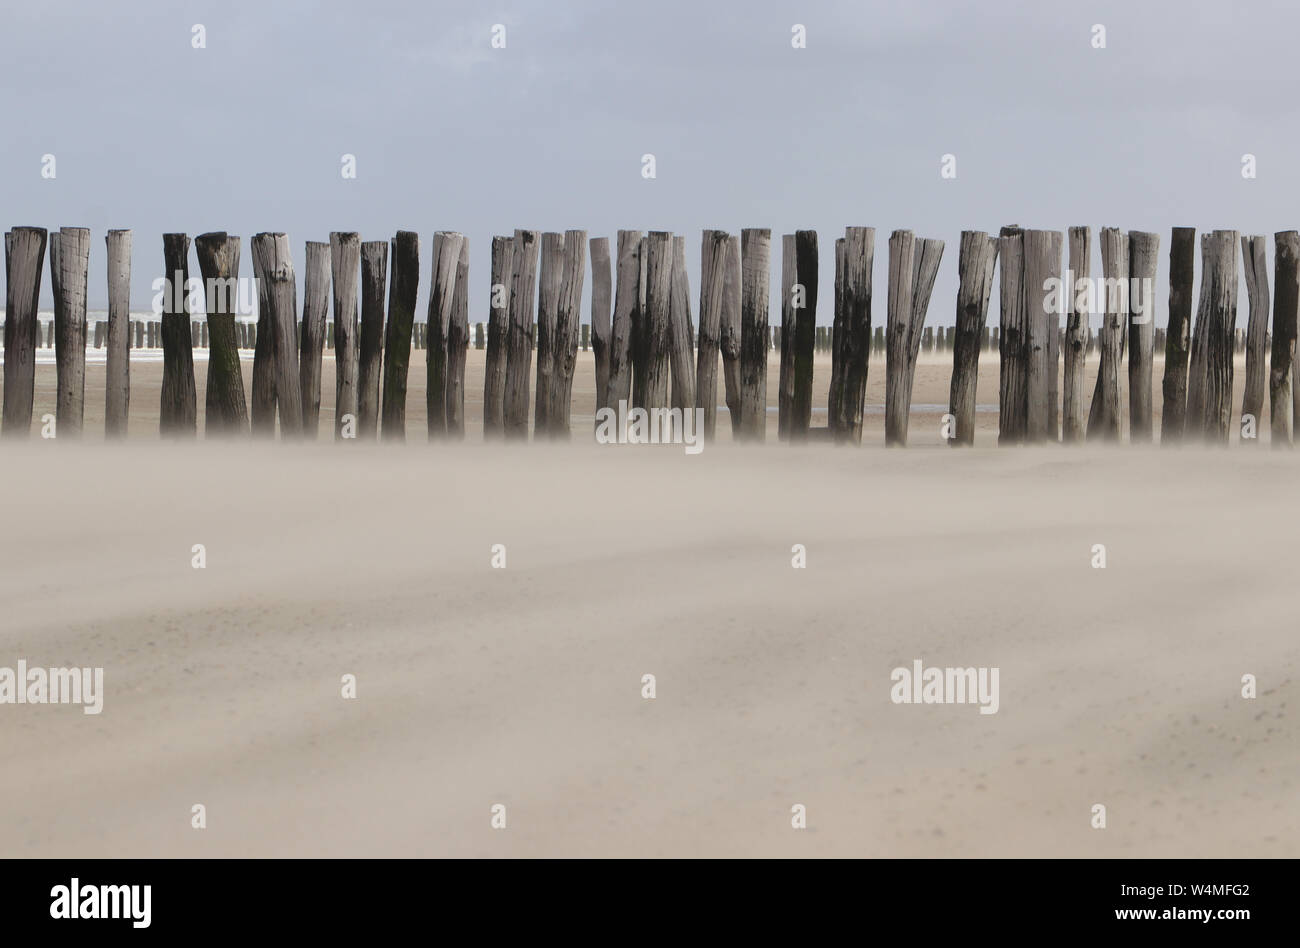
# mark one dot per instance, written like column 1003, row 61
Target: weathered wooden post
column 1042, row 270
column 729, row 336
column 859, row 252
column 345, row 259
column 838, row 343
column 641, row 325
column 622, row 329
column 480, row 337
column 225, row 411
column 69, row 262
column 1143, row 250
column 805, row 331
column 1286, row 310
column 1221, row 310
column 458, row 346
column 178, row 416
column 271, row 255
column 785, row 379
column 27, row 258
column 519, row 347
column 1182, row 258
column 117, row 391
column 912, row 270
column 658, row 315
column 1254, row 255
column 1104, row 419
column 713, row 274
column 402, row 289
column 976, row 260
column 601, row 301
column 681, row 332
column 755, row 258
column 1194, row 426
column 494, row 371
column 315, row 310
column 374, row 282
column 446, row 260
column 1013, row 379
column 1076, row 334
column 564, row 338
column 262, row 408
column 550, row 274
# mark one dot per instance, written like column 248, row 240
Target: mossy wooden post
column 519, row 343
column 26, row 261
column 912, row 268
column 1254, row 255
column 1143, row 251
column 627, row 276
column 458, row 347
column 1105, row 421
column 564, row 339
column 1076, row 335
column 729, row 335
column 658, row 315
column 178, row 415
column 117, row 387
column 976, row 259
column 345, row 260
column 549, row 275
column 1042, row 270
column 859, row 254
column 1286, row 312
column 785, row 379
column 1013, row 377
column 446, row 259
column 403, row 285
column 601, row 300
column 315, row 312
column 681, row 332
column 225, row 411
column 805, row 332
column 494, row 372
column 713, row 273
column 68, row 276
column 370, row 337
column 1182, row 259
column 272, row 257
column 755, row 273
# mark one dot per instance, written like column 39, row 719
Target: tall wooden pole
column 1254, row 255
column 1286, row 311
column 1143, row 251
column 69, row 276
column 402, row 289
column 621, row 333
column 564, row 340
column 1182, row 258
column 225, row 412
column 446, row 260
column 345, row 259
column 755, row 270
column 713, row 272
column 117, row 391
column 458, row 346
column 178, row 417
column 1076, row 335
column 519, row 343
column 494, row 373
column 977, row 257
column 1013, row 376
column 601, row 301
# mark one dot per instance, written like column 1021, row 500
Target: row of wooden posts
column 646, row 349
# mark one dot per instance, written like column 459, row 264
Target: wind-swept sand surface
column 522, row 686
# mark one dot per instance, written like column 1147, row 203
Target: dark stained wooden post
column 564, row 338
column 658, row 252
column 976, row 260
column 315, row 311
column 1254, row 255
column 1286, row 310
column 755, row 268
column 641, row 326
column 494, row 372
column 550, row 274
column 601, row 301
column 805, row 332
column 838, row 343
column 262, row 409
column 859, row 253
column 345, row 259
column 1104, row 417
column 374, row 281
column 1143, row 250
column 681, row 332
column 1221, row 304
column 622, row 328
column 713, row 274
column 117, row 391
column 1013, row 378
column 402, row 288
column 1182, row 258
column 271, row 256
column 446, row 260
column 178, row 416
column 519, row 342
column 27, row 259
column 913, row 266
column 68, row 276
column 1042, row 270
column 458, row 346
column 1076, row 335
column 785, row 380
column 225, row 412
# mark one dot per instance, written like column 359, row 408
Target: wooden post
column 859, row 253
column 550, row 275
column 1254, row 255
column 225, row 412
column 345, row 259
column 785, row 380
column 976, row 259
column 681, row 335
column 729, row 335
column 271, row 254
column 374, row 281
column 1104, row 418
column 1143, row 250
column 1042, row 270
column 1013, row 378
column 805, row 332
column 1194, row 426
column 446, row 260
column 315, row 310
column 601, row 301
column 27, row 257
column 1076, row 335
column 262, row 409
column 480, row 337
column 1182, row 257
column 178, row 417
column 713, row 275
column 838, row 343
column 402, row 289
column 564, row 338
column 1221, row 313
column 1286, row 310
column 621, row 332
column 117, row 390
column 69, row 262
column 658, row 337
column 457, row 346
column 494, row 372
column 519, row 343
column 755, row 257
column 641, row 325
column 912, row 270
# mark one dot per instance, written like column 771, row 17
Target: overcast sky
column 247, row 134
